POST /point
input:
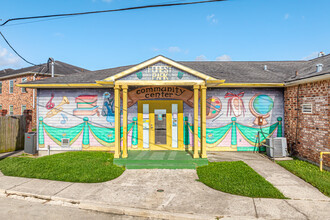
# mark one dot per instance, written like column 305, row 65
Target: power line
column 17, row 52
column 112, row 10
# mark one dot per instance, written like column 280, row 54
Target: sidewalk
column 175, row 194
column 289, row 184
column 166, row 194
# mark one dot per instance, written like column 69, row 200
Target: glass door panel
column 160, row 126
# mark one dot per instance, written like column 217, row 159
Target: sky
column 236, row 30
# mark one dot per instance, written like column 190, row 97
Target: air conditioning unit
column 276, row 147
column 65, row 142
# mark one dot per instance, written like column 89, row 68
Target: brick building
column 14, row 100
column 224, row 99
column 307, row 116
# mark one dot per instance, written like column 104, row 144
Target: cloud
column 59, row 34
column 174, row 49
column 311, row 56
column 224, row 57
column 8, row 59
column 201, row 58
column 211, row 18
column 106, row 0
column 286, row 16
column 155, row 49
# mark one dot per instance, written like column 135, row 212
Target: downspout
column 295, row 143
column 34, row 91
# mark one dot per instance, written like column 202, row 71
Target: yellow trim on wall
column 160, row 104
column 196, row 92
column 250, row 85
column 160, row 83
column 124, row 88
column 71, row 85
column 117, row 122
column 156, row 60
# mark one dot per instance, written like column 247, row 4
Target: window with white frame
column 307, row 108
column 0, row 87
column 23, row 108
column 11, row 110
column 24, row 89
column 11, row 86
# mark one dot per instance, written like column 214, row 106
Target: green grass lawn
column 84, row 167
column 237, row 178
column 310, row 173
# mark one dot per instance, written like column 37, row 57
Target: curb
column 100, row 207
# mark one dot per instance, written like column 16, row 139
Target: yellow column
column 196, row 91
column 117, row 122
column 124, row 87
column 203, row 122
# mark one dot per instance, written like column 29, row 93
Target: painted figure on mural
column 260, row 106
column 108, row 107
column 235, row 104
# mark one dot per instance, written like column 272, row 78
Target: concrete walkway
column 289, row 184
column 165, row 194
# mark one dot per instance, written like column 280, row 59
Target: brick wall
column 311, row 135
column 18, row 98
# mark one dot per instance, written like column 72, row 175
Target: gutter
column 27, row 73
column 324, row 76
column 64, row 85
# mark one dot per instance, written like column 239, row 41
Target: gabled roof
column 239, row 72
column 154, row 60
column 60, row 68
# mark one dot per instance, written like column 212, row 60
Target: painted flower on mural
column 210, row 136
column 235, row 104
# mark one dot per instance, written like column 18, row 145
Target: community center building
column 162, row 104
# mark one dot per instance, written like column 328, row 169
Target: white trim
column 24, row 79
column 22, row 111
column 13, row 109
column 9, row 86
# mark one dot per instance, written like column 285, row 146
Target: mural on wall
column 213, row 107
column 108, row 107
column 260, row 106
column 235, row 104
column 105, row 136
column 75, row 117
column 223, row 132
column 50, row 104
column 64, row 118
column 237, row 130
column 58, row 108
column 86, row 105
column 160, row 92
